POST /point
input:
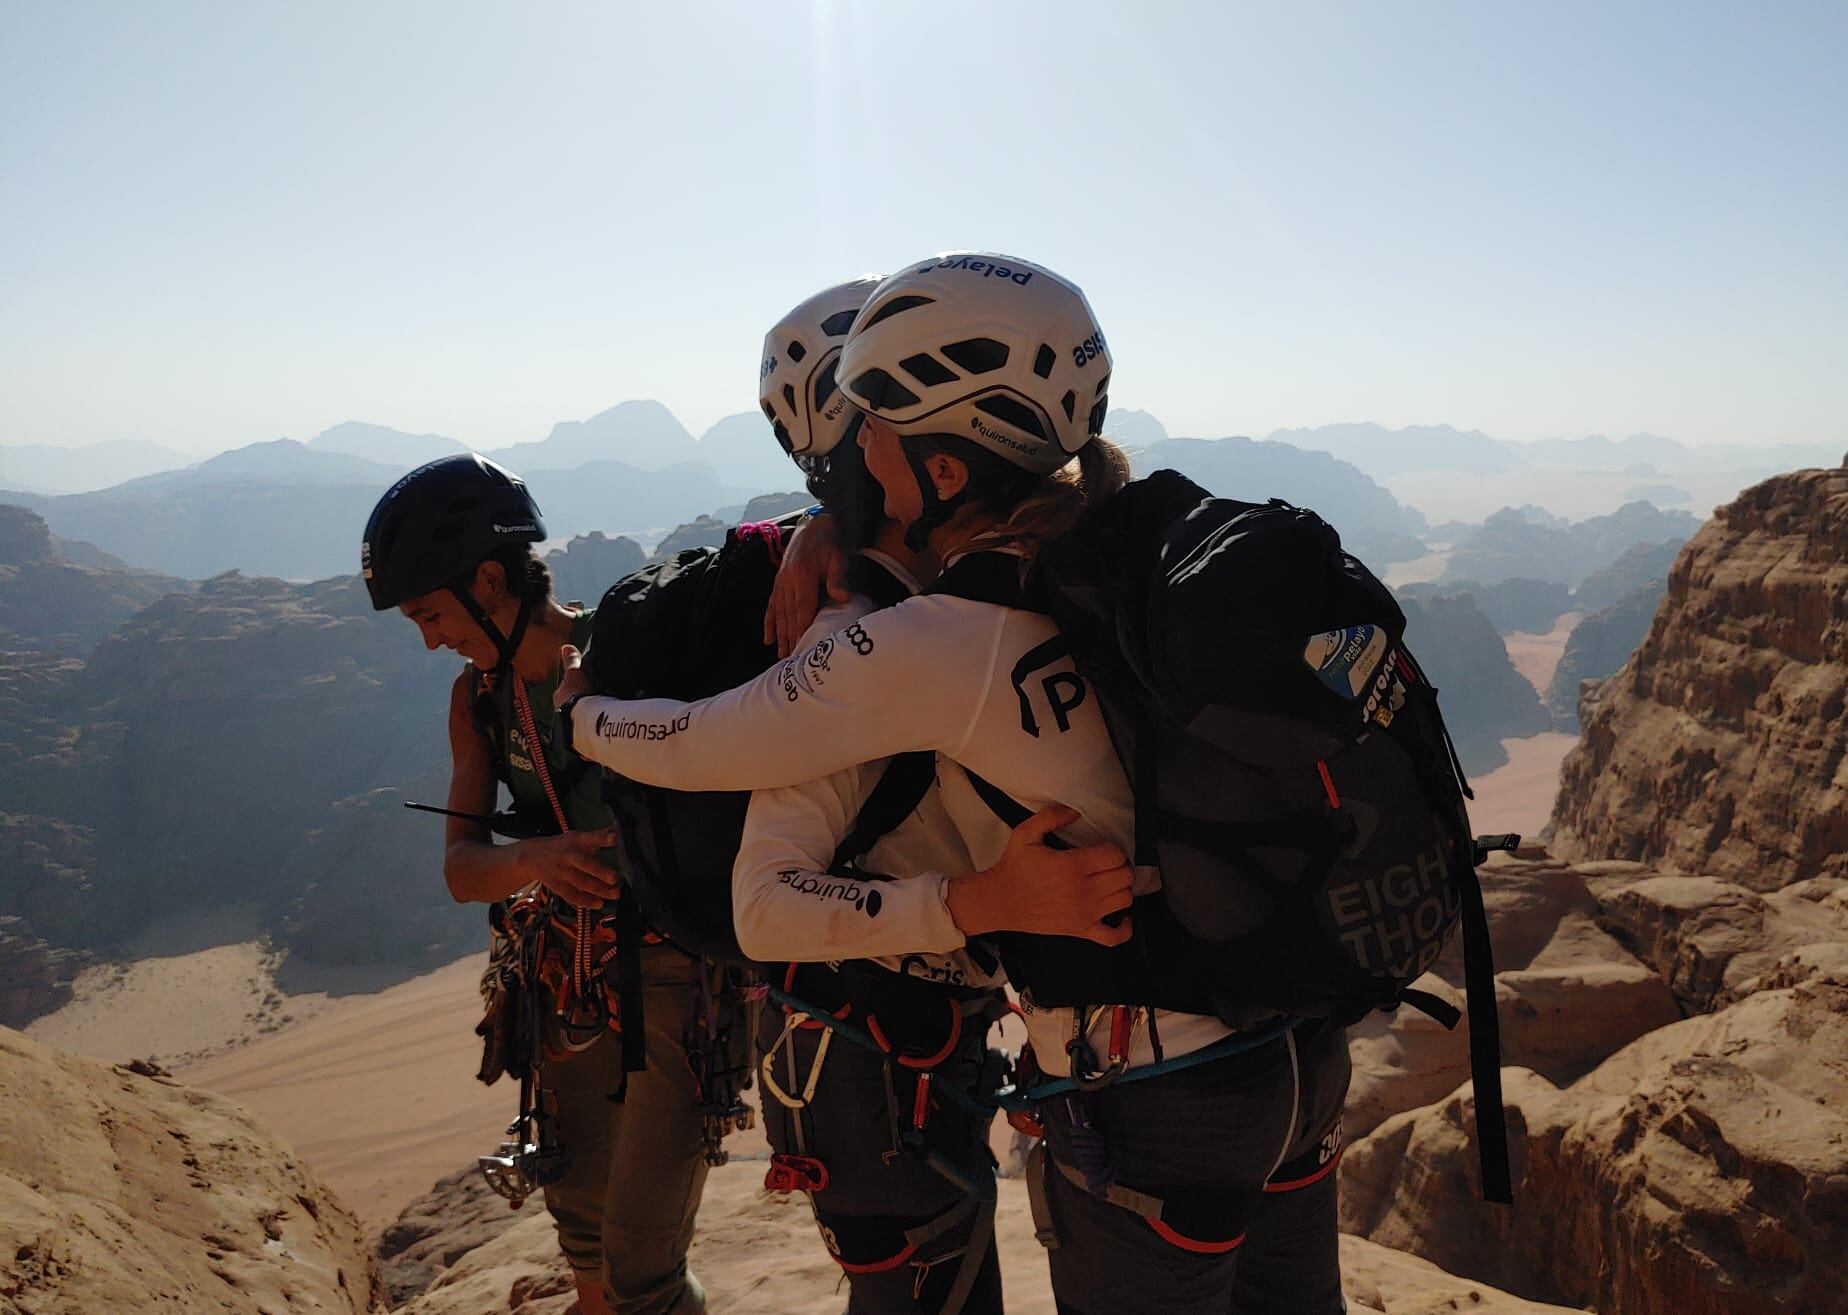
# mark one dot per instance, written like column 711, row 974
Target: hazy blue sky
column 229, row 222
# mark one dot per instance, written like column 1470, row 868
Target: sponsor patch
column 1345, row 659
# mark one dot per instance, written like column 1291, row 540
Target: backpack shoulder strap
column 984, row 577
column 874, row 581
column 1009, row 809
column 902, row 787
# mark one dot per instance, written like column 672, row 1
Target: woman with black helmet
column 451, row 547
column 984, row 381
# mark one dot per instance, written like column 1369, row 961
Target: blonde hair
column 1056, row 503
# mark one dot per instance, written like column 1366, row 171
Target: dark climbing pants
column 1242, row 1153
column 874, row 1197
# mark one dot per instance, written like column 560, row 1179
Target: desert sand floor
column 1536, row 656
column 376, row 1092
column 177, row 1009
column 1419, row 570
column 1518, row 796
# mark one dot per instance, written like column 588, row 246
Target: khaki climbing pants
column 625, row 1208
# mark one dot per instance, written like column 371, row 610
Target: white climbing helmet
column 795, row 383
column 996, row 350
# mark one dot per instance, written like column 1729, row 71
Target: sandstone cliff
column 1569, row 995
column 128, row 1192
column 1485, row 699
column 1702, row 1170
column 1720, row 747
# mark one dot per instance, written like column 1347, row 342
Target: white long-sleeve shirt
column 787, row 904
column 934, row 672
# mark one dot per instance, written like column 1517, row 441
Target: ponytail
column 1057, row 502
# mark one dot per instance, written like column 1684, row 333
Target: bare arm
column 813, row 561
column 476, row 869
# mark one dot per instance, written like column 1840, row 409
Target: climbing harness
column 879, row 1244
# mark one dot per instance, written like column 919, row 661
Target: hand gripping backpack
column 1294, row 781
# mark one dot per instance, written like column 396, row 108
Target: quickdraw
column 721, row 1068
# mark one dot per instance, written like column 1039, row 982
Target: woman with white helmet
column 984, row 380
column 861, row 941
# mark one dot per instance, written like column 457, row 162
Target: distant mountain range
column 1387, row 453
column 43, row 468
column 293, row 509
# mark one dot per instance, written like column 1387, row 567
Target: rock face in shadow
column 1721, row 747
column 1569, row 995
column 440, row 1227
column 1647, row 564
column 1485, row 700
column 61, row 607
column 35, row 977
column 1512, row 604
column 125, row 1192
column 213, row 756
column 1510, row 543
column 1598, row 645
column 590, row 564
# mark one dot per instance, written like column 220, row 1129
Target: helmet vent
column 880, row 391
column 1102, row 384
column 928, row 370
column 1070, row 403
column 796, row 351
column 896, row 306
column 837, row 324
column 977, row 355
column 769, row 412
column 1008, row 411
column 1097, row 415
column 1042, row 364
column 825, row 386
column 789, row 396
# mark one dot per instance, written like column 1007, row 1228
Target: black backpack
column 1294, row 781
column 687, row 627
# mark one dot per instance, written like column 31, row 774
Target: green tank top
column 577, row 781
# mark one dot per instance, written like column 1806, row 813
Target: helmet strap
column 937, row 510
column 505, row 645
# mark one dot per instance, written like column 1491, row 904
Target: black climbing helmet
column 440, row 521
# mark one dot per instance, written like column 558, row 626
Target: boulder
column 125, row 1192
column 1567, row 992
column 457, row 1215
column 1712, row 940
column 1701, row 1170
